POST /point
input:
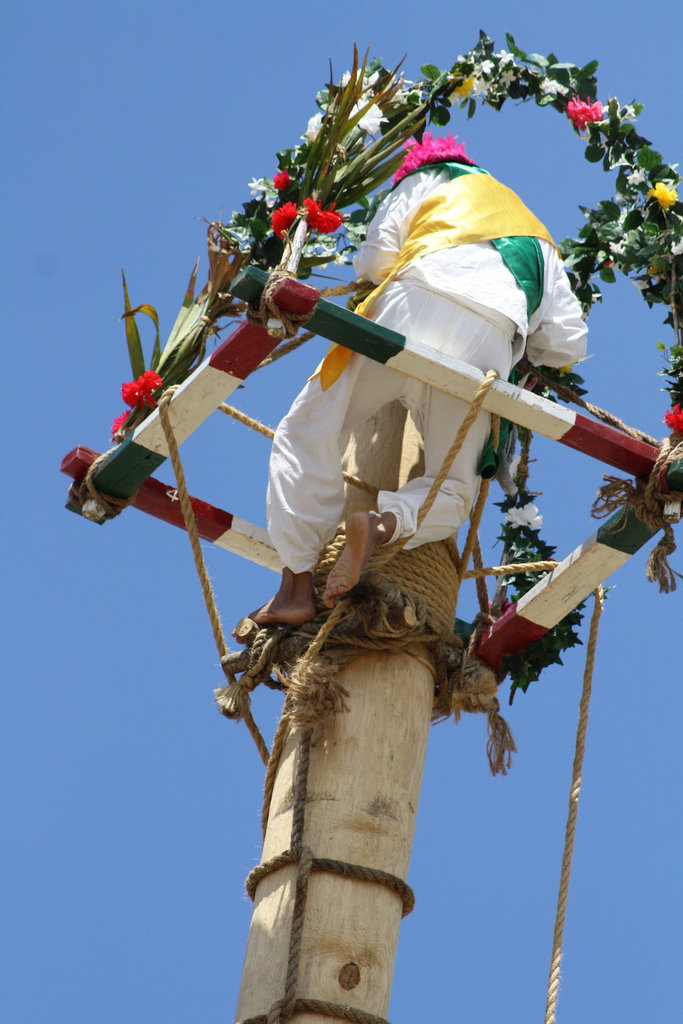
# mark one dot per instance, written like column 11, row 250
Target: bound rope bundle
column 646, row 498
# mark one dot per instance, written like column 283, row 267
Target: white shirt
column 476, row 277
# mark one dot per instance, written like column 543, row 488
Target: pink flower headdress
column 431, row 151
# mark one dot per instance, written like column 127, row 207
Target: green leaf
column 513, row 48
column 135, row 353
column 589, row 70
column 430, row 71
column 440, row 116
column 648, row 158
column 633, row 220
column 594, row 153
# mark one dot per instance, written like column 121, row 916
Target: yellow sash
column 470, row 208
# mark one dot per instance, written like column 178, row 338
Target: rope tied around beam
column 97, row 505
column 646, row 498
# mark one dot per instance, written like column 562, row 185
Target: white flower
column 486, row 67
column 526, row 516
column 371, row 119
column 257, row 186
column 313, row 127
column 636, row 177
column 367, row 81
column 677, row 249
column 508, row 76
column 480, row 88
column 551, row 88
column 618, row 248
column 504, row 57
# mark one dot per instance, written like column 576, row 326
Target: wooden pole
column 363, row 789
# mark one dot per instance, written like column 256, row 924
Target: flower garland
column 354, row 143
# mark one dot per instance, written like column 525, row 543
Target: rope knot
column 278, row 322
column 646, row 498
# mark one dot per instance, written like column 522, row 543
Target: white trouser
column 306, row 487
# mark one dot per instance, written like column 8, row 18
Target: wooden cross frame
column 127, row 471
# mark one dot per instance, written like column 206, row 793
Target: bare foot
column 293, row 604
column 365, row 531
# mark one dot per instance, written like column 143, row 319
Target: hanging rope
column 570, row 832
column 207, row 591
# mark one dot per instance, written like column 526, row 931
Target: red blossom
column 581, row 112
column 324, row 221
column 283, row 218
column 118, row 423
column 139, row 392
column 282, row 180
column 674, row 419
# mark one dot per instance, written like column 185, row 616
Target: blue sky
column 132, row 811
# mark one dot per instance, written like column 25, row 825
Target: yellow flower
column 567, row 369
column 464, row 88
column 666, row 197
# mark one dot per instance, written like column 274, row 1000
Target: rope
column 337, row 867
column 261, row 428
column 646, row 499
column 278, row 322
column 570, row 832
column 207, row 591
column 95, row 504
column 568, row 395
column 284, row 350
column 326, row 1009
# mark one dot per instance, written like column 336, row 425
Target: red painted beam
column 249, row 344
column 156, row 498
column 611, row 446
column 508, row 635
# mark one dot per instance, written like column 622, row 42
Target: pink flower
column 139, row 392
column 118, row 423
column 431, row 151
column 674, row 419
column 282, row 180
column 581, row 112
column 283, row 217
column 324, row 221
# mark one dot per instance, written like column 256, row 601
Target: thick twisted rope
column 207, row 591
column 570, row 832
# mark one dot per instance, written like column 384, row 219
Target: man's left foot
column 365, row 531
column 293, row 604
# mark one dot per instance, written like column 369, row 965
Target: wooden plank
column 416, row 359
column 561, row 590
column 160, row 500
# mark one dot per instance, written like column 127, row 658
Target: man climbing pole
column 463, row 266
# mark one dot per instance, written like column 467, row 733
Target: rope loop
column 646, row 498
column 279, row 323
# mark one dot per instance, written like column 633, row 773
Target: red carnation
column 283, row 218
column 324, row 221
column 282, row 180
column 139, row 392
column 674, row 419
column 580, row 112
column 118, row 423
